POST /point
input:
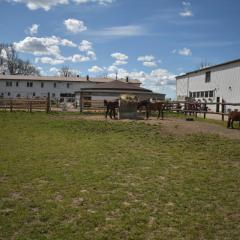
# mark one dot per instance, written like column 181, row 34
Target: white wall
column 225, row 81
column 24, row 91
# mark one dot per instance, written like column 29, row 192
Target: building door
column 218, row 105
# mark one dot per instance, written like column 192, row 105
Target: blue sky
column 152, row 40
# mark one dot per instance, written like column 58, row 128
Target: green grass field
column 78, row 179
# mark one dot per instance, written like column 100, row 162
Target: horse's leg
column 159, row 111
column 114, row 113
column 229, row 123
column 162, row 114
column 106, row 114
column 147, row 112
column 111, row 113
column 232, row 123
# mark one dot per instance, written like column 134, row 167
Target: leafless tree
column 12, row 64
column 65, row 71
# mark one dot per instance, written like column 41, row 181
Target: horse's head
column 143, row 103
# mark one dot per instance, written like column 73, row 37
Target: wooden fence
column 29, row 105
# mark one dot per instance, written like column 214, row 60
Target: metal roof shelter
column 117, row 88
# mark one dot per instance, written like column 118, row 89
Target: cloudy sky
column 151, row 40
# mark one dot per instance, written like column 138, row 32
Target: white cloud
column 85, row 46
column 101, row 2
column 32, row 30
column 185, row 52
column 80, row 58
column 150, row 64
column 68, row 43
column 95, row 69
column 75, row 25
column 39, row 46
column 119, row 56
column 91, row 55
column 119, row 62
column 49, row 60
column 187, row 11
column 148, row 61
column 147, row 58
column 121, row 31
column 48, row 4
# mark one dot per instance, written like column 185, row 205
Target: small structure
column 128, row 107
column 88, row 96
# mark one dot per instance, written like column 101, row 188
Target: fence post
column 48, row 108
column 30, row 106
column 81, row 102
column 223, row 108
column 11, row 105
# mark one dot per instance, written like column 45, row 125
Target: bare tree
column 65, row 71
column 11, row 64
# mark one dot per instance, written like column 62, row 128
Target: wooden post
column 223, row 107
column 11, row 105
column 30, row 106
column 48, row 107
column 205, row 109
column 81, row 102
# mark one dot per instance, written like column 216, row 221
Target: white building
column 211, row 84
column 16, row 86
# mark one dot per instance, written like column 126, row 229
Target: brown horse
column 233, row 116
column 111, row 108
column 149, row 106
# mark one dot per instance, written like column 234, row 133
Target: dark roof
column 61, row 79
column 209, row 68
column 117, row 85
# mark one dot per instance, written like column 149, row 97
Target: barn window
column 211, row 94
column 8, row 84
column 190, row 94
column 68, row 85
column 208, row 77
column 29, row 84
column 206, row 94
column 54, row 85
column 198, row 94
column 202, row 94
column 16, row 84
column 34, row 94
column 194, row 94
column 42, row 85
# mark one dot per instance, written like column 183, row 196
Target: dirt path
column 174, row 126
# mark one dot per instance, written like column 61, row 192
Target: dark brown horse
column 149, row 106
column 233, row 116
column 111, row 108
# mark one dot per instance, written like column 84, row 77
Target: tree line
column 11, row 64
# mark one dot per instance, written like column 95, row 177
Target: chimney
column 87, row 78
column 127, row 79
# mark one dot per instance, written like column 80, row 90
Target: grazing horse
column 111, row 108
column 149, row 106
column 233, row 116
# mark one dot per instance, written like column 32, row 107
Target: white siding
column 225, row 82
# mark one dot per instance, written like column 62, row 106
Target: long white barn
column 211, row 84
column 16, row 86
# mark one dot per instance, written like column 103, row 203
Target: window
column 29, row 84
column 202, row 94
column 194, row 94
column 206, row 94
column 211, row 94
column 9, row 94
column 16, row 84
column 198, row 94
column 208, row 77
column 8, row 84
column 42, row 85
column 54, row 85
column 68, row 85
column 34, row 94
column 190, row 94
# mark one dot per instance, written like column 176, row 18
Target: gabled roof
column 116, row 85
column 60, row 79
column 209, row 68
